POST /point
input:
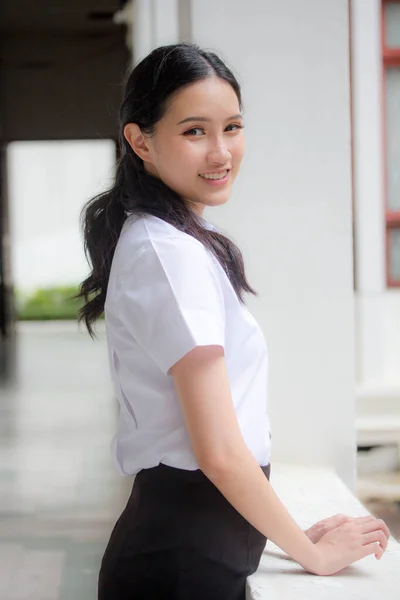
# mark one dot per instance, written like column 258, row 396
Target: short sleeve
column 171, row 300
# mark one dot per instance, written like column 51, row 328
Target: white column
column 368, row 148
column 291, row 211
column 142, row 29
column 369, row 190
column 165, row 22
column 155, row 23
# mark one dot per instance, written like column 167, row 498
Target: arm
column 202, row 385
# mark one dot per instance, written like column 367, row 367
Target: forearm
column 245, row 486
column 202, row 384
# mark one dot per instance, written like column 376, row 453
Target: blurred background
column 62, row 65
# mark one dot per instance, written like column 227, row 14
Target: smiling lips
column 217, row 176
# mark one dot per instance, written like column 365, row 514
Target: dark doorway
column 61, row 70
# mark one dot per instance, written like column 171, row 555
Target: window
column 391, row 86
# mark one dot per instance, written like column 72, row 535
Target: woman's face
column 199, row 144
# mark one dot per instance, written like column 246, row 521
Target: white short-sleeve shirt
column 166, row 295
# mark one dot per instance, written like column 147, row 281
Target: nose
column 219, row 153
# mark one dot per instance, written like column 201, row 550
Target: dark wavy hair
column 149, row 88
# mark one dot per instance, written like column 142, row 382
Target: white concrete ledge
column 382, row 398
column 311, row 495
column 378, row 429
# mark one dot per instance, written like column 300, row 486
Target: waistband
column 165, row 472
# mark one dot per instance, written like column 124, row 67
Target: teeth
column 215, row 175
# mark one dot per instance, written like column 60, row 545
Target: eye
column 234, row 127
column 195, row 132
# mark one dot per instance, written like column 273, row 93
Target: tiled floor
column 59, row 493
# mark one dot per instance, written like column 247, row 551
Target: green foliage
column 47, row 304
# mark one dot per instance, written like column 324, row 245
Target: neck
column 196, row 207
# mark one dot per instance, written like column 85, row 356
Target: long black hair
column 149, row 88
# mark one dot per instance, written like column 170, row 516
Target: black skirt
column 179, row 539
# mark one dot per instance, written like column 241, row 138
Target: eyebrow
column 205, row 120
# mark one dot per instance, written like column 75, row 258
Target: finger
column 377, row 537
column 360, row 522
column 371, row 549
column 364, row 520
column 341, row 518
column 374, row 525
column 336, row 520
column 385, row 528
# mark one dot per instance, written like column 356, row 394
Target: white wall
column 291, row 210
column 377, row 308
column 49, row 182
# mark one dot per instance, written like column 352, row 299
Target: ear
column 137, row 141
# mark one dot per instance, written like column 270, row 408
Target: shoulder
column 146, row 239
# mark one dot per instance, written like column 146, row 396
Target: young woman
column 189, row 362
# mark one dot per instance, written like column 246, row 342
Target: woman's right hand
column 350, row 542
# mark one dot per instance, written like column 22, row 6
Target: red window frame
column 390, row 58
